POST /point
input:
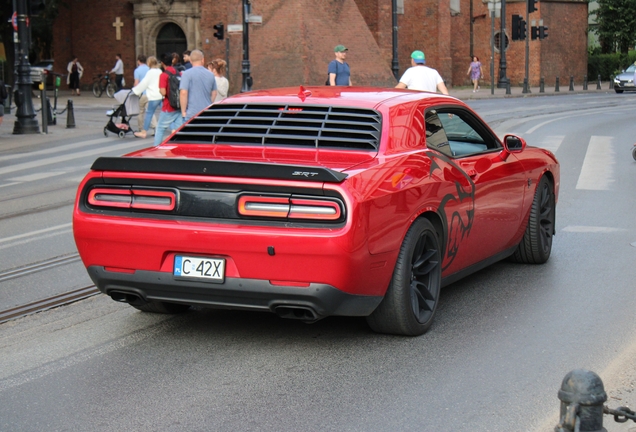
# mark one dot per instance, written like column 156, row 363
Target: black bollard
column 584, row 82
column 525, row 86
column 611, row 86
column 582, row 396
column 598, row 83
column 542, row 85
column 571, row 83
column 556, row 85
column 508, row 87
column 70, row 115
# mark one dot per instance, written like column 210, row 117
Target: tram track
column 48, row 303
column 39, row 266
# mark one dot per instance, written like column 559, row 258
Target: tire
column 162, row 307
column 411, row 300
column 105, row 132
column 121, row 134
column 536, row 245
column 634, row 153
column 97, row 90
column 111, row 89
column 618, row 91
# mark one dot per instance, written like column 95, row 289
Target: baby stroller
column 120, row 116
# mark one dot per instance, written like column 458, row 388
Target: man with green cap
column 339, row 72
column 420, row 77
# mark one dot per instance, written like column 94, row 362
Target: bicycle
column 101, row 83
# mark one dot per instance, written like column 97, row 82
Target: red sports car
column 316, row 202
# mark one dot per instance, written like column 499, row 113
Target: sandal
column 140, row 135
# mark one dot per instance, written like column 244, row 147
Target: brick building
column 294, row 42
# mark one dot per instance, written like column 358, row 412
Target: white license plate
column 210, row 269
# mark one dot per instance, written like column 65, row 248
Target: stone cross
column 118, row 25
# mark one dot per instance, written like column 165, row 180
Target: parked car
column 625, row 80
column 37, row 71
column 316, row 202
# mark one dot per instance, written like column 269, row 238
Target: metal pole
column 247, row 79
column 503, row 79
column 394, row 63
column 472, row 27
column 526, row 81
column 492, row 50
column 25, row 122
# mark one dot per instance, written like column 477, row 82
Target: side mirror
column 512, row 144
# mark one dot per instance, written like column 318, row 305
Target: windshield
column 631, row 69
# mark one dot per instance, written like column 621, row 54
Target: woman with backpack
column 150, row 84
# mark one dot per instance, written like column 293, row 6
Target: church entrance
column 171, row 39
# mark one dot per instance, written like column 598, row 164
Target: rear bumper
column 234, row 293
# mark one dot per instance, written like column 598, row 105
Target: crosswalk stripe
column 596, row 172
column 55, row 149
column 552, row 142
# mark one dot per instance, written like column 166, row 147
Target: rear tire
column 162, row 307
column 97, row 89
column 536, row 245
column 410, row 302
column 618, row 91
column 111, row 89
column 105, row 132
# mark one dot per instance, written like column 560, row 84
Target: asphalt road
column 493, row 361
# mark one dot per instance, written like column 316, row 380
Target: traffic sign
column 14, row 21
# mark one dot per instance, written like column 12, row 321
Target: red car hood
column 337, row 160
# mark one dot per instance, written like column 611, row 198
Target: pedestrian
column 170, row 117
column 176, row 62
column 339, row 71
column 420, row 77
column 475, row 72
column 118, row 70
column 150, row 85
column 4, row 94
column 218, row 67
column 198, row 87
column 75, row 72
column 139, row 74
column 186, row 59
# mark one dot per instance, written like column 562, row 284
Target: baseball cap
column 340, row 48
column 418, row 57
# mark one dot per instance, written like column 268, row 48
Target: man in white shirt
column 420, row 77
column 118, row 70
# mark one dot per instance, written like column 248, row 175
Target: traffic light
column 534, row 30
column 532, row 6
column 543, row 32
column 36, row 6
column 518, row 28
column 218, row 31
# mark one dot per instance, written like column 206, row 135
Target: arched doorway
column 171, row 39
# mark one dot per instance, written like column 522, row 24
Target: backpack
column 3, row 91
column 174, row 81
column 327, row 83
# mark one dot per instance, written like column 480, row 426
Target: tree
column 616, row 25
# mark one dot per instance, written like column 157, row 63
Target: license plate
column 210, row 269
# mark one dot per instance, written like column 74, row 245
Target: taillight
column 289, row 207
column 140, row 199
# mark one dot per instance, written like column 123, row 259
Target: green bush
column 607, row 65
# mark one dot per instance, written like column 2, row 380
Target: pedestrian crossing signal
column 219, row 31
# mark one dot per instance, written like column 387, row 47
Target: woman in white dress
column 218, row 67
column 150, row 84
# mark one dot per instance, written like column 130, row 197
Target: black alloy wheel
column 411, row 300
column 536, row 245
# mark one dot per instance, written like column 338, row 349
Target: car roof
column 363, row 97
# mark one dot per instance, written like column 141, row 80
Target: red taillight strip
column 314, row 209
column 263, row 206
column 140, row 199
column 120, row 198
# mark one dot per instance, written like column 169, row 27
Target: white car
column 625, row 80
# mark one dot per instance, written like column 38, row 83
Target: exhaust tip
column 127, row 297
column 302, row 313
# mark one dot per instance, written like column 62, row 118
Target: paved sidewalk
column 90, row 112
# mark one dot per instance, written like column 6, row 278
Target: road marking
column 596, row 172
column 37, row 176
column 56, row 149
column 64, row 158
column 552, row 142
column 591, row 229
column 40, row 237
column 9, row 184
column 33, row 233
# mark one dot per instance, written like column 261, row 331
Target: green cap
column 340, row 48
column 418, row 57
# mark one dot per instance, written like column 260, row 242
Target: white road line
column 34, row 233
column 64, row 158
column 597, row 169
column 552, row 142
column 56, row 149
column 40, row 237
column 9, row 184
column 37, row 176
column 591, row 229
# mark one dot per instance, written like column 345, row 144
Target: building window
column 498, row 41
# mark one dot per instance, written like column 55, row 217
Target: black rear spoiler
column 218, row 168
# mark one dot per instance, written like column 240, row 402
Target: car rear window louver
column 284, row 125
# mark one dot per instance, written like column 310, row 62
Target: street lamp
column 247, row 79
column 25, row 122
column 503, row 79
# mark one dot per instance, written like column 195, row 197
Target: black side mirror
column 512, row 144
